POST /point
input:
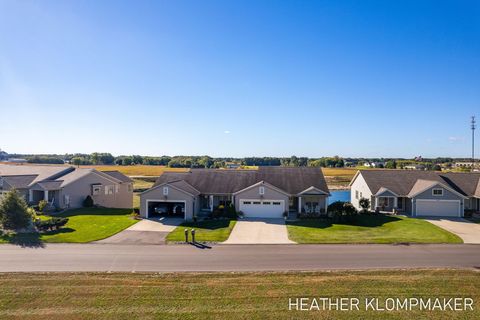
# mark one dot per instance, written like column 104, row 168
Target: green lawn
column 205, row 231
column 369, row 229
column 227, row 295
column 84, row 225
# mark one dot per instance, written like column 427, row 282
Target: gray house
column 417, row 193
column 67, row 187
column 264, row 193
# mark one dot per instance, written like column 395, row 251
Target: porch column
column 326, row 205
column 210, row 203
column 30, row 195
column 45, row 195
column 376, row 203
column 395, row 202
column 299, row 204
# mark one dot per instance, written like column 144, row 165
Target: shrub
column 51, row 224
column 42, row 205
column 342, row 211
column 14, row 213
column 88, row 202
column 365, row 204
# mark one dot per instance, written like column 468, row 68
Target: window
column 266, row 203
column 117, row 188
column 130, row 187
column 96, row 189
column 276, row 203
column 256, row 202
column 361, row 195
column 165, row 191
column 356, row 194
column 109, row 189
column 247, row 202
column 437, row 192
column 383, row 202
column 261, row 190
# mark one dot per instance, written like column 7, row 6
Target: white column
column 395, row 202
column 30, row 195
column 326, row 205
column 45, row 195
column 299, row 204
column 376, row 203
column 210, row 203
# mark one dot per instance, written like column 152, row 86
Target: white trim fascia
column 383, row 189
column 433, row 185
column 313, row 188
column 354, row 178
column 262, row 183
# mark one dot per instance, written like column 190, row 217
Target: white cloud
column 226, row 132
column 455, row 139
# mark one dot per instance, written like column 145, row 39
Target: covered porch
column 312, row 202
column 389, row 202
column 44, row 191
column 209, row 202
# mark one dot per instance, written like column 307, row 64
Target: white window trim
column 437, row 195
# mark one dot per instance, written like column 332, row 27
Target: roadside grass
column 205, row 231
column 84, row 225
column 369, row 229
column 227, row 295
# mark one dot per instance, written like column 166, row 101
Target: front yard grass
column 205, row 231
column 84, row 225
column 369, row 229
column 227, row 295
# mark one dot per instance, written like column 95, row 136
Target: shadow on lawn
column 32, row 239
column 207, row 224
column 369, row 221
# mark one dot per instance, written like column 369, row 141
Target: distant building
column 464, row 164
column 16, row 160
column 232, row 165
column 414, row 167
column 377, row 164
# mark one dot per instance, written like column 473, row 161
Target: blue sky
column 239, row 78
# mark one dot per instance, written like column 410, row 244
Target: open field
column 205, row 231
column 369, row 229
column 84, row 225
column 137, row 170
column 227, row 295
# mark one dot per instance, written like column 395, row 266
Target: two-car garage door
column 262, row 208
column 440, row 208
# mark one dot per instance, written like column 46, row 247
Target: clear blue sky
column 239, row 78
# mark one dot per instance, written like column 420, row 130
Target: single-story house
column 417, row 193
column 67, row 187
column 268, row 192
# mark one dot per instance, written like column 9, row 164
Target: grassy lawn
column 370, row 229
column 205, row 231
column 84, row 225
column 226, row 295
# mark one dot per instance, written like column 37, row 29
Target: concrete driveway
column 468, row 231
column 259, row 231
column 146, row 231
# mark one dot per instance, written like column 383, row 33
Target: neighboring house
column 265, row 193
column 67, row 187
column 414, row 167
column 417, row 193
column 374, row 164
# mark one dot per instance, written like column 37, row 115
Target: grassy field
column 206, row 231
column 137, row 170
column 226, row 295
column 369, row 229
column 84, row 225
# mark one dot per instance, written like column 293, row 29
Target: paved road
column 259, row 231
column 129, row 258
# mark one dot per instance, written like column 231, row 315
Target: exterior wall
column 81, row 188
column 427, row 195
column 360, row 186
column 253, row 194
column 156, row 194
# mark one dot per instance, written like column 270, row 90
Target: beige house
column 268, row 192
column 67, row 187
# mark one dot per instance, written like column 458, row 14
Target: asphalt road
column 138, row 258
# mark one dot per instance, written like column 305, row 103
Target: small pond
column 339, row 195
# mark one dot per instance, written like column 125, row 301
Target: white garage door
column 262, row 208
column 439, row 208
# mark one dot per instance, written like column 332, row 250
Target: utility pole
column 473, row 140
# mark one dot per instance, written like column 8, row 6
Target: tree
column 14, row 212
column 364, row 204
column 391, row 164
column 77, row 161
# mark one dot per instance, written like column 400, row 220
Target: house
column 417, row 193
column 67, row 187
column 264, row 193
column 374, row 164
column 414, row 167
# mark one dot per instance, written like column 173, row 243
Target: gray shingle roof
column 118, row 175
column 42, row 172
column 402, row 181
column 220, row 181
column 19, row 182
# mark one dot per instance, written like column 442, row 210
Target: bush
column 51, row 224
column 14, row 212
column 342, row 211
column 88, row 202
column 42, row 205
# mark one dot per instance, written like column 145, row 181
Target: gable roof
column 402, row 182
column 221, row 181
column 19, row 182
column 42, row 172
column 118, row 175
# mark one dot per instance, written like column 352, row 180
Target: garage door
column 262, row 209
column 439, row 208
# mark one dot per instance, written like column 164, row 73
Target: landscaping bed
column 369, row 229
